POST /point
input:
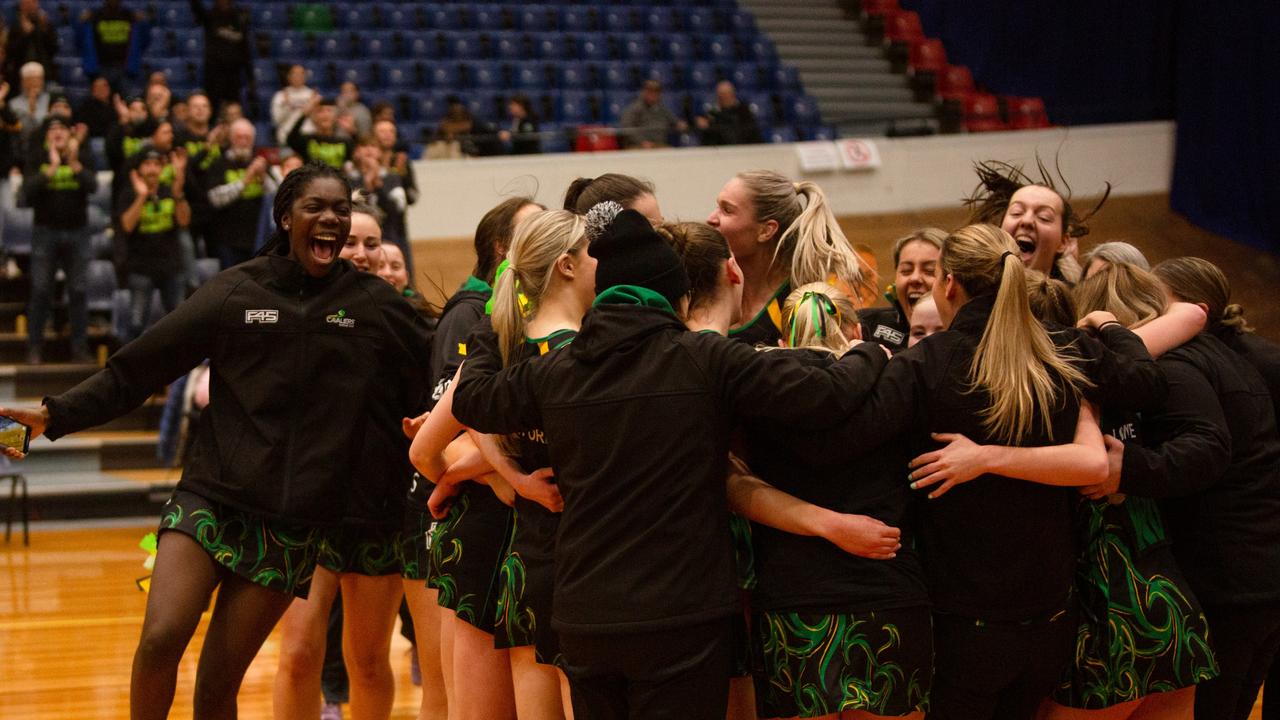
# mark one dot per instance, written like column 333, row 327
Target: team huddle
column 684, row 470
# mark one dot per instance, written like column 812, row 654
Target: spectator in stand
column 10, row 132
column 230, row 112
column 196, row 134
column 455, row 127
column 731, row 122
column 158, row 99
column 32, row 38
column 134, row 126
column 646, row 122
column 349, row 106
column 266, row 223
column 521, row 135
column 226, row 48
column 384, row 171
column 203, row 145
column 97, row 112
column 32, row 106
column 153, row 213
column 114, row 52
column 237, row 182
column 323, row 144
column 178, row 111
column 383, row 110
column 290, row 104
column 57, row 187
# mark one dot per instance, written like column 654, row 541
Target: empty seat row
column 292, row 45
column 406, row 75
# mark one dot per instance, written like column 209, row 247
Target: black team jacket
column 301, row 367
column 1213, row 457
column 996, row 548
column 637, row 413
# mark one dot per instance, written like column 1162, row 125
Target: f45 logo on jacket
column 261, row 317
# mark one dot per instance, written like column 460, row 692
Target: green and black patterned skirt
column 467, row 549
column 275, row 554
column 527, row 584
column 372, row 551
column 816, row 664
column 415, row 549
column 1141, row 629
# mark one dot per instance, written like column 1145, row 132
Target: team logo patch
column 888, row 334
column 261, row 317
column 340, row 319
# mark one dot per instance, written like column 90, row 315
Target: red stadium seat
column 879, row 7
column 1026, row 113
column 903, row 26
column 927, row 55
column 982, row 113
column 955, row 82
column 595, row 138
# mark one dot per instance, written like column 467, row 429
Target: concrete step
column 57, row 346
column 91, row 452
column 841, row 51
column 836, row 112
column 827, row 64
column 839, row 77
column 770, row 10
column 833, row 34
column 88, row 495
column 803, row 24
column 877, row 128
column 826, row 93
column 36, row 381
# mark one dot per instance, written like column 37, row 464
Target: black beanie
column 631, row 252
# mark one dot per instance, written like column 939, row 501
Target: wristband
column 1109, row 322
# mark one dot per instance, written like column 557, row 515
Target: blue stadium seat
column 174, row 16
column 803, row 110
column 290, row 46
column 400, row 75
column 593, row 47
column 761, row 106
column 579, row 18
column 159, row 43
column 485, row 105
column 189, row 42
column 265, row 72
column 510, row 46
column 745, row 76
column 786, row 78
column 718, row 48
column 615, row 101
column 98, row 154
column 335, row 46
column 67, row 39
column 17, row 230
column 398, row 17
column 447, row 17
column 485, row 75
column 636, row 47
column 442, row 75
column 375, row 44
column 575, row 108
column 782, row 134
column 619, row 20
column 664, row 73
column 761, row 49
column 70, row 72
column 618, row 75
column 539, row 18
column 575, row 76
column 818, row 132
column 742, row 23
column 464, row 46
column 357, row 16
column 702, row 21
column 177, row 70
column 491, row 18
column 555, row 46
column 422, row 46
column 100, row 286
column 678, row 48
column 661, row 20
column 430, row 106
column 269, row 15
column 703, row 75
column 530, row 76
column 264, row 134
column 359, row 72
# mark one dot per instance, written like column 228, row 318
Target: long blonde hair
column 540, row 239
column 809, row 240
column 1016, row 362
column 814, row 315
column 1132, row 294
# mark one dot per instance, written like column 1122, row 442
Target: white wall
column 916, row 173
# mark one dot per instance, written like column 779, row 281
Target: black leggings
column 999, row 670
column 1245, row 640
column 680, row 674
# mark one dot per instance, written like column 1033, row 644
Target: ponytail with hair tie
column 816, row 300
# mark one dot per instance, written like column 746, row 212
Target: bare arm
column 1083, row 461
column 441, row 427
column 760, row 502
column 535, row 485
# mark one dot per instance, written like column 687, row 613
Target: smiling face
column 914, row 275
column 199, row 110
column 925, row 320
column 393, row 269
column 385, row 133
column 364, row 243
column 318, row 224
column 735, row 218
column 1034, row 219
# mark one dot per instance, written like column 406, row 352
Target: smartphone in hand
column 14, row 434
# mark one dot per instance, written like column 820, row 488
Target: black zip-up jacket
column 461, row 312
column 300, row 367
column 995, row 548
column 637, row 413
column 1213, row 457
column 794, row 572
column 887, row 326
column 1259, row 352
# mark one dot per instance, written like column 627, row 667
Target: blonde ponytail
column 813, row 317
column 1016, row 363
column 539, row 241
column 809, row 240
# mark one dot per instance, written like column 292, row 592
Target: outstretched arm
column 1083, row 461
